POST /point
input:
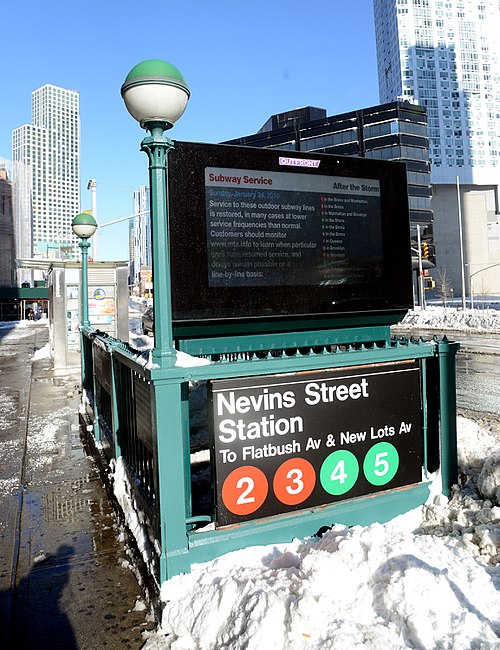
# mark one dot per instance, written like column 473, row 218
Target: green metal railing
column 134, row 429
column 145, row 413
column 121, row 399
column 87, row 365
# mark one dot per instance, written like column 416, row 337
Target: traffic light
column 425, row 250
column 429, row 283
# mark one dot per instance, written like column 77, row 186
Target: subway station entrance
column 272, row 324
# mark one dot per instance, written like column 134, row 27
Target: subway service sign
column 288, row 442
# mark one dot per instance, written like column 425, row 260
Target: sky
column 243, row 62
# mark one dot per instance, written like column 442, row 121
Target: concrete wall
column 57, row 317
column 479, row 206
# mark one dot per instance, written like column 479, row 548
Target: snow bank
column 374, row 588
column 133, row 514
column 42, row 353
column 471, row 320
column 472, row 515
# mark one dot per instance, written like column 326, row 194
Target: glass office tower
column 394, row 131
column 140, row 236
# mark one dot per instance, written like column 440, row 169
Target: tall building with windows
column 445, row 55
column 140, row 236
column 50, row 148
column 15, row 222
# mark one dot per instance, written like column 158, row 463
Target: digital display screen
column 285, row 228
column 259, row 236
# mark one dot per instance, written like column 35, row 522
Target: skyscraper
column 50, row 147
column 445, row 55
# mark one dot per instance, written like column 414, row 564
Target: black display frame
column 197, row 306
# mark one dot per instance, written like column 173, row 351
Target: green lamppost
column 84, row 226
column 156, row 95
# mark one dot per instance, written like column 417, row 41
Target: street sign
column 288, row 442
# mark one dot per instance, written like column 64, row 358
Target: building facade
column 49, row 148
column 445, row 56
column 23, row 215
column 140, row 236
column 395, row 131
column 16, row 223
column 7, row 247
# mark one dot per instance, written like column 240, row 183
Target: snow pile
column 374, row 587
column 42, row 353
column 472, row 516
column 471, row 320
column 481, row 464
column 133, row 514
column 144, row 345
column 428, row 579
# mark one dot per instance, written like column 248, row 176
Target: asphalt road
column 478, row 368
column 478, row 382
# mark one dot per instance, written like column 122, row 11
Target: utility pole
column 92, row 185
column 420, row 271
column 461, row 238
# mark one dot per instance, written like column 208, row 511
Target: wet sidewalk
column 65, row 579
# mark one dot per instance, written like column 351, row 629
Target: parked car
column 147, row 321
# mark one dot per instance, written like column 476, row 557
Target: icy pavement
column 65, row 578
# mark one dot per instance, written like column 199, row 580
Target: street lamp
column 156, row 95
column 84, row 226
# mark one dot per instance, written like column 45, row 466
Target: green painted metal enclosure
column 141, row 414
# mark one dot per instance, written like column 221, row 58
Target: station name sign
column 283, row 443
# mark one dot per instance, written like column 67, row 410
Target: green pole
column 84, row 244
column 84, row 302
column 448, row 413
column 172, row 449
column 156, row 95
column 157, row 147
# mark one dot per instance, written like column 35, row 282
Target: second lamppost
column 156, row 95
column 84, row 226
